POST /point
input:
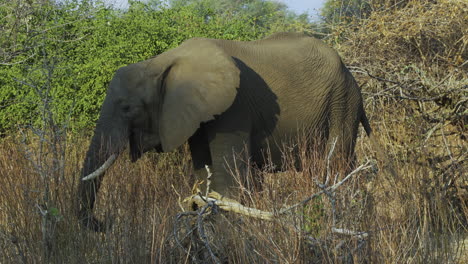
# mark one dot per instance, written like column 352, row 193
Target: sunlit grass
column 409, row 218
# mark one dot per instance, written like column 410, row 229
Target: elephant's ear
column 201, row 83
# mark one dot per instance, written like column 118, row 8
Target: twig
column 18, row 62
column 343, row 231
column 331, row 188
column 43, row 211
column 175, row 231
column 179, row 199
column 358, row 169
column 208, row 180
column 364, row 71
column 201, row 230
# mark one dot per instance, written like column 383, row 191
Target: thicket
column 411, row 60
column 411, row 57
column 74, row 47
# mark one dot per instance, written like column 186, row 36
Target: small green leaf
column 54, row 212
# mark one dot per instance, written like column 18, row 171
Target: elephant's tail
column 365, row 123
column 381, row 154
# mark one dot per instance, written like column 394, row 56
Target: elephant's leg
column 343, row 132
column 200, row 151
column 341, row 141
column 230, row 155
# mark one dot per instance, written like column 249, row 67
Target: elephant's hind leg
column 343, row 133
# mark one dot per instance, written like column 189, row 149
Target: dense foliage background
column 66, row 52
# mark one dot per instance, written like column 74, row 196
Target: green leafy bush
column 66, row 53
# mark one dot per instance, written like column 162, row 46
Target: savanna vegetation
column 409, row 204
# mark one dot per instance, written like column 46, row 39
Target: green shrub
column 68, row 52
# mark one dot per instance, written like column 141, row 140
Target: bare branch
column 348, row 232
column 201, row 230
column 176, row 229
column 179, row 199
column 208, row 180
column 231, row 205
column 18, row 62
column 331, row 188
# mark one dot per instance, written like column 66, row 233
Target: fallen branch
column 212, row 201
column 230, row 205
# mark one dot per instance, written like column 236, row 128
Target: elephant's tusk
column 101, row 169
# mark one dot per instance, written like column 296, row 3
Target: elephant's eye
column 126, row 108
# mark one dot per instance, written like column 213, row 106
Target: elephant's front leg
column 200, row 151
column 230, row 156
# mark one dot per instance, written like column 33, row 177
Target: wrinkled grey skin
column 225, row 97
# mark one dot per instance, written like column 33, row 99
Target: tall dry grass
column 410, row 218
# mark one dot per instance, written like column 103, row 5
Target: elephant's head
column 156, row 104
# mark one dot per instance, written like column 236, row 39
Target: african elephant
column 224, row 97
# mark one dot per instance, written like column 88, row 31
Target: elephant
column 224, row 98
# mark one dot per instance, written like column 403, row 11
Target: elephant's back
column 302, row 72
column 290, row 60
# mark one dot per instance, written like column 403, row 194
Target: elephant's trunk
column 108, row 141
